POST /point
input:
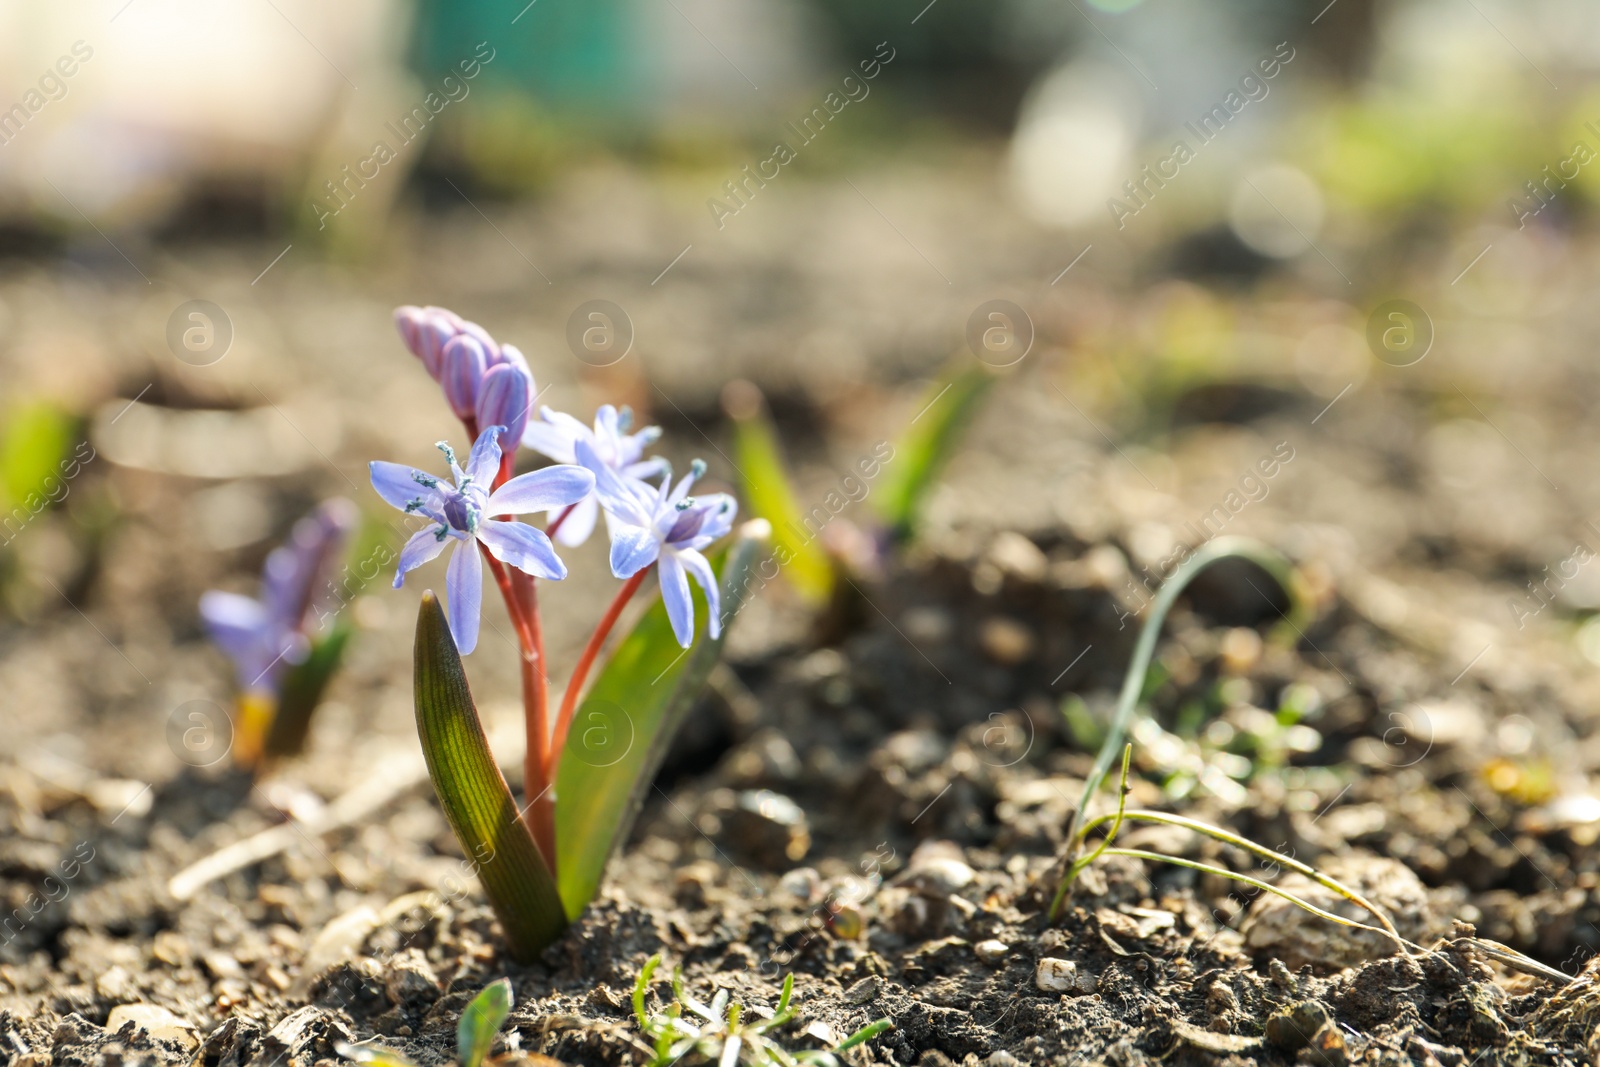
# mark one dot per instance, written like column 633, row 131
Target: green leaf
column 927, row 444
column 33, row 453
column 474, row 795
column 375, row 1055
column 481, row 1021
column 303, row 686
column 619, row 734
column 865, row 1034
column 765, row 483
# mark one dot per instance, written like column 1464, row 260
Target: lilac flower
column 555, row 435
column 664, row 524
column 263, row 636
column 462, row 513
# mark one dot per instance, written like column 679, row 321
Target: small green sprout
column 718, row 1031
column 475, row 1032
column 1073, row 860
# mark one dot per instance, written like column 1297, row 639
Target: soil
column 877, row 810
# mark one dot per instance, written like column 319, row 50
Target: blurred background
column 1360, row 230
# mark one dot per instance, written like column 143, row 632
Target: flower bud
column 504, row 400
column 491, row 348
column 461, row 374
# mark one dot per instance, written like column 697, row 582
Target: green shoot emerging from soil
column 718, row 1032
column 475, row 1032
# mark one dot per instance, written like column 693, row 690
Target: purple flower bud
column 408, row 320
column 504, row 400
column 491, row 348
column 461, row 374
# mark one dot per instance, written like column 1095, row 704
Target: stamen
column 427, row 481
column 625, row 418
column 686, row 503
column 441, row 533
column 698, row 468
column 449, row 453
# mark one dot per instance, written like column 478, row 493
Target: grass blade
column 620, row 733
column 765, row 482
column 927, row 444
column 481, row 1021
column 474, row 795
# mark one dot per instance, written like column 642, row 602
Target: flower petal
column 523, row 547
column 419, row 548
column 700, row 567
column 464, row 586
column 633, row 548
column 617, row 495
column 398, row 485
column 675, row 596
column 577, row 526
column 237, row 624
column 549, row 440
column 540, row 490
column 484, row 462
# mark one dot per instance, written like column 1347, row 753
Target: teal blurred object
column 572, row 55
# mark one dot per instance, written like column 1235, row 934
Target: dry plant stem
column 602, row 630
column 1230, row 838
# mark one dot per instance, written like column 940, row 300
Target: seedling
column 475, row 1033
column 1074, row 860
column 587, row 765
column 720, row 1031
column 285, row 646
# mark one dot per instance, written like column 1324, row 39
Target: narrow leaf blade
column 927, row 444
column 474, row 795
column 620, row 733
column 481, row 1021
column 303, row 686
column 766, row 486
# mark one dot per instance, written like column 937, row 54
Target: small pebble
column 802, row 882
column 864, row 990
column 1056, row 976
column 1006, row 641
column 1002, row 1058
column 991, row 951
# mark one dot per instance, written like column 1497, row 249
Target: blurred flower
column 664, row 524
column 554, row 434
column 264, row 635
column 460, row 512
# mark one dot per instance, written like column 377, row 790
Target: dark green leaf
column 474, row 795
column 927, row 444
column 620, row 732
column 481, row 1021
